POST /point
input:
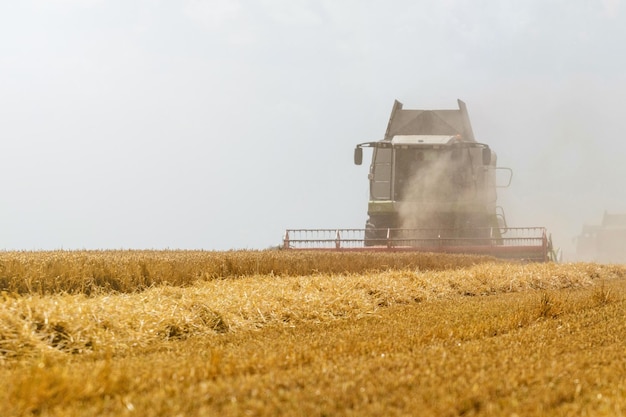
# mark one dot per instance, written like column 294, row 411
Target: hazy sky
column 216, row 124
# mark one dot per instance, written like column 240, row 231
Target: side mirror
column 501, row 180
column 358, row 155
column 486, row 156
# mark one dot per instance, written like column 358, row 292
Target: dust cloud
column 431, row 180
column 564, row 143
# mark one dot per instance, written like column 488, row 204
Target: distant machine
column 605, row 242
column 432, row 187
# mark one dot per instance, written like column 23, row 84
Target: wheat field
column 266, row 333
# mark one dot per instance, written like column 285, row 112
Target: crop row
column 95, row 272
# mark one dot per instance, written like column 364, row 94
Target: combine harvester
column 606, row 242
column 432, row 189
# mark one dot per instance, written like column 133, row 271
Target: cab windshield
column 431, row 174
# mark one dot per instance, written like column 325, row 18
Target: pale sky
column 217, row 124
